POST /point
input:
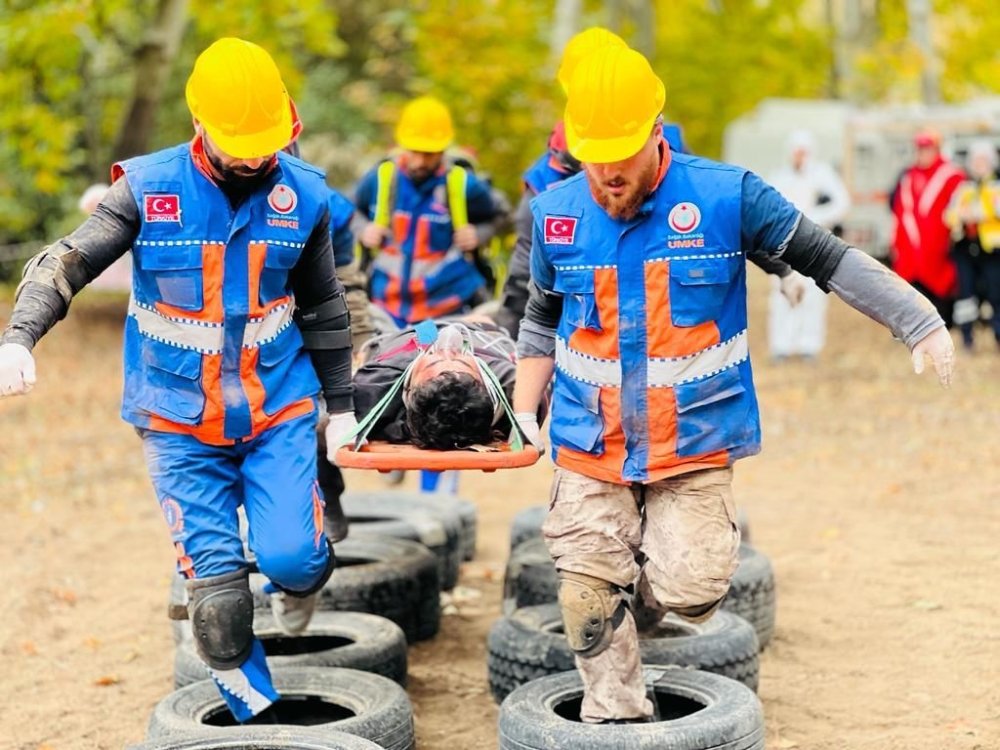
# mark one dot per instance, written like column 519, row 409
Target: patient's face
column 433, row 364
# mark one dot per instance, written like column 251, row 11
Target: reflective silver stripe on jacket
column 667, row 372
column 661, row 372
column 583, row 367
column 391, row 264
column 264, row 330
column 208, row 338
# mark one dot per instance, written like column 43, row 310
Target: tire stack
column 703, row 676
column 531, row 577
column 347, row 670
column 444, row 524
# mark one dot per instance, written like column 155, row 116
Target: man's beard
column 625, row 207
column 419, row 174
column 242, row 179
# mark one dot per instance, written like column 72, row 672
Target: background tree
column 85, row 81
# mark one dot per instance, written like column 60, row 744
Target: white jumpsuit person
column 814, row 188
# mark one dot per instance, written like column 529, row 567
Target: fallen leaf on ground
column 106, row 680
column 64, row 595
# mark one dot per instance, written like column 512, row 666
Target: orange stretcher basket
column 385, row 457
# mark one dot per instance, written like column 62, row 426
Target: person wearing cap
column 638, row 306
column 418, row 221
column 974, row 219
column 798, row 328
column 921, row 240
column 236, row 323
column 558, row 164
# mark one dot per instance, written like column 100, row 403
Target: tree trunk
column 644, row 16
column 567, row 19
column 919, row 17
column 153, row 60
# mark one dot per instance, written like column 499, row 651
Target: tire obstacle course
column 342, row 680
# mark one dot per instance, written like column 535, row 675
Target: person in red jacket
column 920, row 242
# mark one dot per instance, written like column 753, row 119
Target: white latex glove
column 528, row 422
column 337, row 430
column 17, row 370
column 941, row 349
column 793, row 287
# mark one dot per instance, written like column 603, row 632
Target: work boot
column 292, row 613
column 335, row 524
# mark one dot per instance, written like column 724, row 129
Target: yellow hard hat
column 580, row 46
column 425, row 125
column 236, row 93
column 613, row 101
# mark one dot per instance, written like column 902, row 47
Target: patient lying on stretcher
column 447, row 400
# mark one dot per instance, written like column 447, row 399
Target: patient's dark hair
column 449, row 411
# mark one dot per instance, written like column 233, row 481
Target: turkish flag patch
column 560, row 230
column 162, row 208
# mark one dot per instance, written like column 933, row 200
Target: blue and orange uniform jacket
column 653, row 373
column 211, row 348
column 418, row 273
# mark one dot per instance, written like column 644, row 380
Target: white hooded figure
column 818, row 192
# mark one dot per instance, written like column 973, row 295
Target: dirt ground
column 877, row 498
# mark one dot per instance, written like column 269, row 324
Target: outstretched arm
column 56, row 274
column 62, row 269
column 772, row 225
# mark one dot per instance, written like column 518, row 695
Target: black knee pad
column 221, row 612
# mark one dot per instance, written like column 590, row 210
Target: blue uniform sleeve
column 768, row 219
column 364, row 194
column 478, row 200
column 341, row 213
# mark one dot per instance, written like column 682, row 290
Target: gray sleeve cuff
column 535, row 340
column 871, row 288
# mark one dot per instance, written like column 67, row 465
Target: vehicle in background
column 869, row 146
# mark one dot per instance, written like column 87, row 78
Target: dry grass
column 877, row 498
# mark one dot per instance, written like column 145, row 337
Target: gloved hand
column 941, row 349
column 340, row 426
column 793, row 287
column 465, row 238
column 372, row 235
column 17, row 370
column 528, row 422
